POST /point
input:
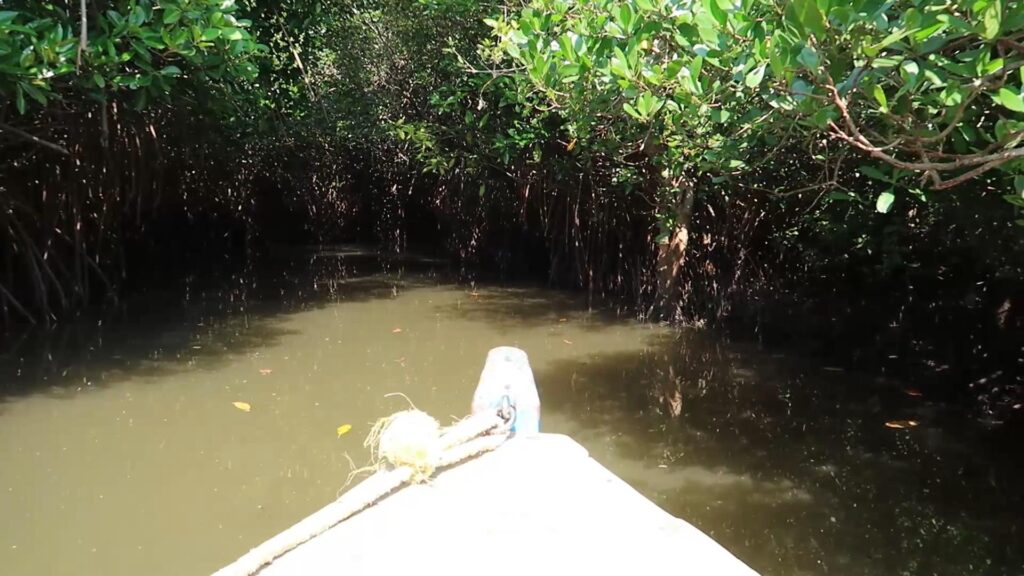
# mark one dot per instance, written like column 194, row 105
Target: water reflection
column 791, row 466
column 121, row 447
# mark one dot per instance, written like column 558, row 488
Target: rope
column 459, row 442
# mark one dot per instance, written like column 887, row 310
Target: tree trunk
column 672, row 251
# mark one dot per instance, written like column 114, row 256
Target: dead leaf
column 243, row 406
column 265, row 371
column 343, row 429
column 912, row 392
column 396, row 331
column 901, row 424
column 563, row 319
column 566, row 341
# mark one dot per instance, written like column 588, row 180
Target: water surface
column 122, row 452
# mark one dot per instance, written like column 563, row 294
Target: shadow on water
column 528, row 306
column 790, row 466
column 201, row 323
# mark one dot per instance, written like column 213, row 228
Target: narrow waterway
column 171, row 437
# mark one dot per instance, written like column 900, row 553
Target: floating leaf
column 901, row 424
column 913, row 392
column 396, row 331
column 265, row 371
column 243, row 406
column 567, row 341
column 343, row 429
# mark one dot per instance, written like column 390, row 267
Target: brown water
column 121, row 451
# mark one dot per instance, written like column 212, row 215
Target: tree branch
column 83, row 35
column 983, row 161
column 35, row 139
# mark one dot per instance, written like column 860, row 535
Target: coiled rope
column 461, row 441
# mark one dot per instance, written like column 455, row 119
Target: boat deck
column 539, row 504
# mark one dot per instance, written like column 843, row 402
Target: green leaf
column 872, row 172
column 879, row 94
column 172, row 14
column 809, row 58
column 893, row 37
column 1017, row 201
column 1018, row 184
column 909, row 71
column 631, row 110
column 720, row 116
column 991, row 19
column 19, row 99
column 1006, row 128
column 34, row 92
column 171, row 71
column 646, row 5
column 625, row 17
column 717, row 13
column 754, row 77
column 98, row 80
column 884, row 202
column 1009, row 99
column 810, row 16
column 620, row 65
column 210, row 34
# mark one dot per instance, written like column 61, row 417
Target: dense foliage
column 848, row 171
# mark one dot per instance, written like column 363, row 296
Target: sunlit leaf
column 884, row 202
column 754, row 77
column 879, row 95
column 343, row 429
column 991, row 19
column 1009, row 99
column 243, row 406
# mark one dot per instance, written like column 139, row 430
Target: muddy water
column 122, row 450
